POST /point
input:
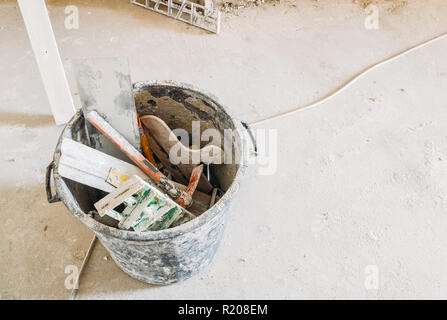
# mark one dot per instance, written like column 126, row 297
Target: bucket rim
column 72, row 205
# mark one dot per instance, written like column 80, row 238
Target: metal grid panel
column 205, row 17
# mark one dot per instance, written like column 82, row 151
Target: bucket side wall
column 168, row 261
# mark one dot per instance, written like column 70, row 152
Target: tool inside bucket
column 145, row 190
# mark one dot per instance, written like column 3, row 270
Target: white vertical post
column 40, row 32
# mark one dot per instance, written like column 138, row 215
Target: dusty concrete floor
column 361, row 180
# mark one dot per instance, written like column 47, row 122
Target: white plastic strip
column 44, row 45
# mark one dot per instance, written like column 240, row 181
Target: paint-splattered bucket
column 166, row 256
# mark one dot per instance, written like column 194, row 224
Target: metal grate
column 202, row 16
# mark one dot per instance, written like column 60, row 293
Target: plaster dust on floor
column 360, row 180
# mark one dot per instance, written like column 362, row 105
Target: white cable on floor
column 349, row 82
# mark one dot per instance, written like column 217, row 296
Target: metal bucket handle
column 50, row 197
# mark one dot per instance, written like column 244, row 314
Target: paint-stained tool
column 194, row 179
column 91, row 167
column 200, row 199
column 202, row 16
column 75, row 289
column 164, row 159
column 96, row 169
column 167, row 139
column 213, row 197
column 145, row 144
column 183, row 198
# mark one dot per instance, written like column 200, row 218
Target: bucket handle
column 252, row 137
column 51, row 198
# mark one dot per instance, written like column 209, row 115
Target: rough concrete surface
column 361, row 180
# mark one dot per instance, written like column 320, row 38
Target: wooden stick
column 105, row 86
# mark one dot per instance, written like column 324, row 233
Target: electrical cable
column 349, row 82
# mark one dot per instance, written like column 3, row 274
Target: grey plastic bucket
column 171, row 255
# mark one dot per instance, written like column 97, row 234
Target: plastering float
column 164, row 159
